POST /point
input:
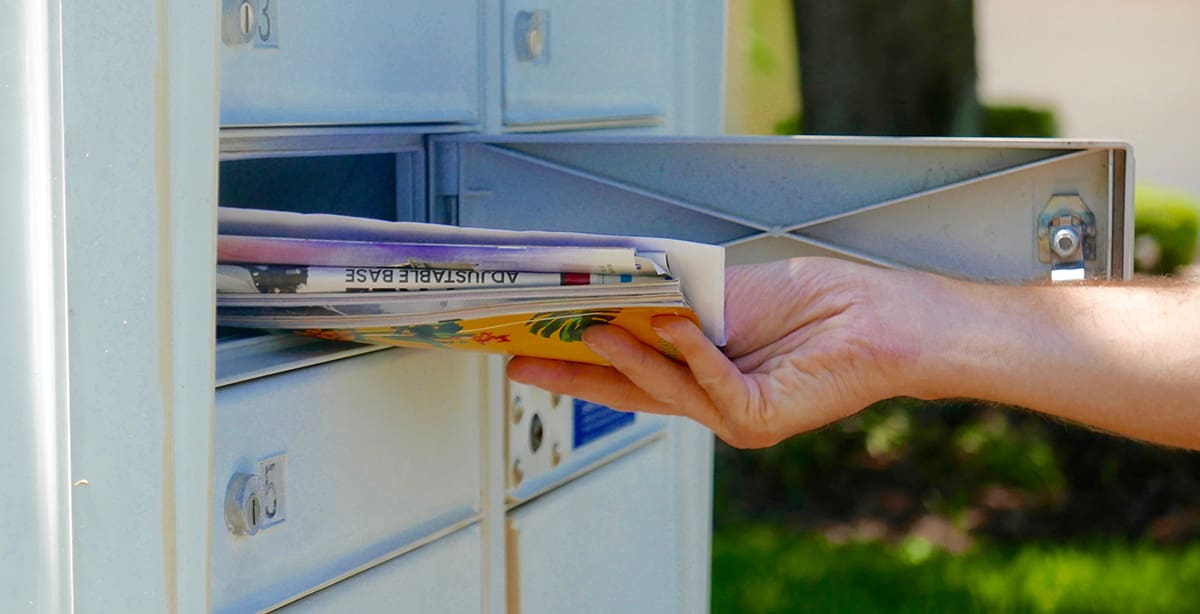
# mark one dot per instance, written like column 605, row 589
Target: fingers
column 662, row 379
column 720, row 379
column 595, row 383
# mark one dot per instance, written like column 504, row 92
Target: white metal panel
column 599, row 59
column 35, row 521
column 607, row 542
column 443, row 576
column 382, row 451
column 356, row 62
column 139, row 145
column 699, row 69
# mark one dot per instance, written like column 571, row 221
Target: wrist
column 985, row 341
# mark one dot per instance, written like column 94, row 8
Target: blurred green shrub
column 1015, row 121
column 1011, row 121
column 765, row 568
column 1166, row 224
column 789, row 125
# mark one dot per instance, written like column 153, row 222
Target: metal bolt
column 517, row 473
column 517, row 411
column 1065, row 242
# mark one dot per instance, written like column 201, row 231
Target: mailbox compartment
column 606, row 542
column 581, row 61
column 351, row 62
column 376, row 454
column 444, row 576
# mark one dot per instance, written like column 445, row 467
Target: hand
column 810, row 341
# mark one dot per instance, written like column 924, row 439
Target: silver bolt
column 518, row 412
column 1065, row 242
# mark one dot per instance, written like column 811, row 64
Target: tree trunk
column 896, row 68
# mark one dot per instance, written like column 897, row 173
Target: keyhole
column 255, row 512
column 246, row 18
column 536, row 433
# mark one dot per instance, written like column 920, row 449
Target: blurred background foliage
column 949, row 505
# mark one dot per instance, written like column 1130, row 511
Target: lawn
column 765, row 568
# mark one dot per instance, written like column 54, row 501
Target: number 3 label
column 266, row 25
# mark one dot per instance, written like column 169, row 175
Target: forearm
column 1120, row 358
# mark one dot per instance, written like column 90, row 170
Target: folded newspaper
column 410, row 284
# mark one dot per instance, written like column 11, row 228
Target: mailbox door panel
column 354, row 62
column 444, row 576
column 606, row 542
column 378, row 453
column 573, row 60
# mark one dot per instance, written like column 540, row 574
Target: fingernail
column 597, row 350
column 663, row 334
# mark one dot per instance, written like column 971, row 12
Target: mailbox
column 155, row 464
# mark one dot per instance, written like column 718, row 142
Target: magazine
column 410, row 284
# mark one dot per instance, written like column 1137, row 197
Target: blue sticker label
column 593, row 421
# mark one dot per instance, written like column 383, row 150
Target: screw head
column 1065, row 242
column 518, row 411
column 518, row 473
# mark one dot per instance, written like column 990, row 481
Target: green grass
column 768, row 569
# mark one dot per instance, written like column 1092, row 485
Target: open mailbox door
column 981, row 208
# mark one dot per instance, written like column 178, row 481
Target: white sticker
column 266, row 24
column 272, row 476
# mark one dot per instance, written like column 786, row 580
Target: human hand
column 810, row 341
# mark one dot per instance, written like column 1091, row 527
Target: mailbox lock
column 531, row 36
column 237, row 21
column 243, row 504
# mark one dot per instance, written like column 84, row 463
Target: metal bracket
column 1066, row 233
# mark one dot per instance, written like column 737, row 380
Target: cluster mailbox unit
column 152, row 465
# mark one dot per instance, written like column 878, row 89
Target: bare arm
column 813, row 340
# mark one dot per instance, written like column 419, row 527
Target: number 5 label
column 266, row 24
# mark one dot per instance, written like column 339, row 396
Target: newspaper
column 427, row 285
